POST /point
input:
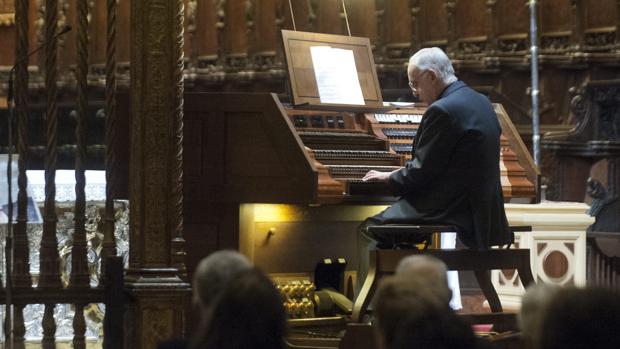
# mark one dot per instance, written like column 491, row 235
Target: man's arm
column 434, row 148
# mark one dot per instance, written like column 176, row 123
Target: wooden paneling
column 301, row 11
column 236, row 46
column 433, row 24
column 7, row 6
column 207, row 43
column 513, row 17
column 328, row 17
column 7, row 32
column 122, row 31
column 7, row 37
column 600, row 13
column 235, row 28
column 397, row 22
column 98, row 40
column 555, row 15
column 363, row 18
column 470, row 19
column 67, row 49
column 265, row 37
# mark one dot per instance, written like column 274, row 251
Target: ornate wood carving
column 49, row 260
column 492, row 26
column 397, row 30
column 109, row 244
column 555, row 30
column 235, row 31
column 19, row 328
column 364, row 22
column 79, row 264
column 328, row 17
column 175, row 184
column 21, row 263
column 208, row 29
column 577, row 17
column 49, row 327
column 512, row 21
column 415, row 25
column 264, row 43
column 155, row 187
column 450, row 6
column 471, row 24
column 21, row 251
column 123, row 42
column 79, row 327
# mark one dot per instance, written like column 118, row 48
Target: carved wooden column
column 451, row 47
column 578, row 19
column 415, row 25
column 492, row 27
column 123, row 51
column 363, row 19
column 397, row 29
column 618, row 24
column 264, row 36
column 21, row 252
column 207, row 35
column 97, row 46
column 328, row 18
column 155, row 185
column 235, row 35
column 303, row 12
column 49, row 277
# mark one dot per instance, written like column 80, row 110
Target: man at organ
column 454, row 176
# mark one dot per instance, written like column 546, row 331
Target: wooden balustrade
column 49, row 289
column 112, row 295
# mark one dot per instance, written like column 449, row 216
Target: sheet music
column 336, row 75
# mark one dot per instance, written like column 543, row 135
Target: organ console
column 282, row 182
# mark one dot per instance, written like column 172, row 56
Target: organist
column 454, row 176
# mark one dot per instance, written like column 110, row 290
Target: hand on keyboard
column 376, row 176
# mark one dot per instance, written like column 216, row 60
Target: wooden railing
column 50, row 290
column 111, row 295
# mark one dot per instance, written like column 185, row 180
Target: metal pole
column 346, row 17
column 8, row 263
column 290, row 5
column 534, row 89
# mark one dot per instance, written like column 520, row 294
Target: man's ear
column 432, row 74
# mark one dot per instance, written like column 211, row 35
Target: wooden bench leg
column 367, row 291
column 525, row 271
column 484, row 280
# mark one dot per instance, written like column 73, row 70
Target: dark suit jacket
column 454, row 176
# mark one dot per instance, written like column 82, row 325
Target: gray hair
column 427, row 271
column 433, row 58
column 214, row 272
column 533, row 309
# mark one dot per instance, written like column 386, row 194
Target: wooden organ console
column 239, row 155
column 282, row 183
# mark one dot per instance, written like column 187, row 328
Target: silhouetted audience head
column 399, row 299
column 248, row 314
column 426, row 271
column 581, row 318
column 437, row 330
column 533, row 305
column 213, row 272
column 211, row 278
